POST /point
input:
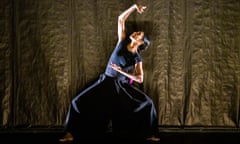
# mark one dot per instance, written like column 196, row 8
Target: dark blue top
column 123, row 58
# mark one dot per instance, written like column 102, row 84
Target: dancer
column 113, row 97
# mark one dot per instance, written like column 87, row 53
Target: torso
column 123, row 58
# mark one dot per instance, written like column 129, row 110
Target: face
column 137, row 37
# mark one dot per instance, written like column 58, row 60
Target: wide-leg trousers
column 131, row 111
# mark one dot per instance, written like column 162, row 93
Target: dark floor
column 167, row 137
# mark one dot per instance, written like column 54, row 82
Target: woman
column 113, row 97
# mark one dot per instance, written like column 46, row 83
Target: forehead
column 140, row 32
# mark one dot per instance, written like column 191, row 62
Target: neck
column 132, row 47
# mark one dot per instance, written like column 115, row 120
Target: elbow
column 120, row 19
column 140, row 79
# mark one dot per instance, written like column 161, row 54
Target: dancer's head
column 141, row 39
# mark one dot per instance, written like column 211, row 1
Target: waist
column 118, row 77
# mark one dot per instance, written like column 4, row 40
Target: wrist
column 135, row 6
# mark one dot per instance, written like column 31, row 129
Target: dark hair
column 145, row 45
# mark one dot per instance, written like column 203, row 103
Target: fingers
column 144, row 7
column 115, row 67
column 141, row 9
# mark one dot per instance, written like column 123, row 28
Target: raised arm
column 123, row 17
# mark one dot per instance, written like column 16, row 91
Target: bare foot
column 66, row 138
column 153, row 139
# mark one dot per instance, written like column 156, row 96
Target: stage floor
column 167, row 137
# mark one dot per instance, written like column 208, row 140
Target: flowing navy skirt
column 130, row 110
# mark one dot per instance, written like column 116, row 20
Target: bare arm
column 123, row 17
column 137, row 76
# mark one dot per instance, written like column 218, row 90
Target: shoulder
column 122, row 42
column 138, row 58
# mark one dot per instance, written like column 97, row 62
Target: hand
column 115, row 67
column 141, row 8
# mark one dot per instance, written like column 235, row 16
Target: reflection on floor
column 167, row 137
